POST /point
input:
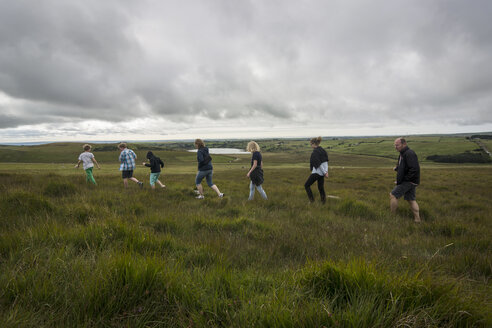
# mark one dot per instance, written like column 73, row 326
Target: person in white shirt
column 88, row 160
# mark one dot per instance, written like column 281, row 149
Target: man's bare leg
column 200, row 188
column 415, row 210
column 216, row 189
column 393, row 203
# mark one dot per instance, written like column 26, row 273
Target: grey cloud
column 343, row 62
column 7, row 121
column 67, row 54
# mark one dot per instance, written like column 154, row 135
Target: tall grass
column 77, row 255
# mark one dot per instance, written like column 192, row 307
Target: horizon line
column 34, row 143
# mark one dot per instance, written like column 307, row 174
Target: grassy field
column 76, row 255
column 290, row 150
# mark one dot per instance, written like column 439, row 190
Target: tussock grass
column 233, row 225
column 59, row 189
column 381, row 299
column 77, row 255
column 356, row 209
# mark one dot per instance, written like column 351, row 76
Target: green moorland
column 76, row 255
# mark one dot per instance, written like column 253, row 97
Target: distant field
column 75, row 255
column 488, row 144
column 276, row 150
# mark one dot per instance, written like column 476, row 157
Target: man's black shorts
column 127, row 174
column 406, row 189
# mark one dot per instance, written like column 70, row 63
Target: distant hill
column 442, row 149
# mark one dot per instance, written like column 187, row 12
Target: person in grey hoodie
column 205, row 169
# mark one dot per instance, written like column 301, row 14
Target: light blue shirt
column 322, row 169
column 127, row 159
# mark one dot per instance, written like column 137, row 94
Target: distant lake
column 223, row 151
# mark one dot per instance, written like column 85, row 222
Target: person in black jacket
column 255, row 173
column 155, row 164
column 407, row 178
column 205, row 169
column 318, row 165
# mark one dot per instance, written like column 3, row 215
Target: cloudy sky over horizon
column 127, row 70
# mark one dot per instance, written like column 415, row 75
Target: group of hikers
column 407, row 168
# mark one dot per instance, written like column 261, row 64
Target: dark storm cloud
column 69, row 54
column 7, row 121
column 339, row 61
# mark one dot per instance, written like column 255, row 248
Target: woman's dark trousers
column 321, row 186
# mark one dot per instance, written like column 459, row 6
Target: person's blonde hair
column 122, row 145
column 199, row 143
column 252, row 146
column 316, row 141
column 87, row 147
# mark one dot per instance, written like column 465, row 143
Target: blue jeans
column 204, row 174
column 252, row 191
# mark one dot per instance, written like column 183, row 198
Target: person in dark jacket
column 155, row 164
column 318, row 165
column 407, row 178
column 205, row 169
column 255, row 173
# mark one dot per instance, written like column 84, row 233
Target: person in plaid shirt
column 127, row 159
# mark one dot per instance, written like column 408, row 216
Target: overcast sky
column 126, row 70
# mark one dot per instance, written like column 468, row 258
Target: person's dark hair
column 403, row 141
column 199, row 143
column 316, row 141
column 150, row 155
column 122, row 145
column 86, row 147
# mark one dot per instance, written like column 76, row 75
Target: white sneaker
column 221, row 195
column 200, row 197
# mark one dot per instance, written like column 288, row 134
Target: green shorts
column 154, row 177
